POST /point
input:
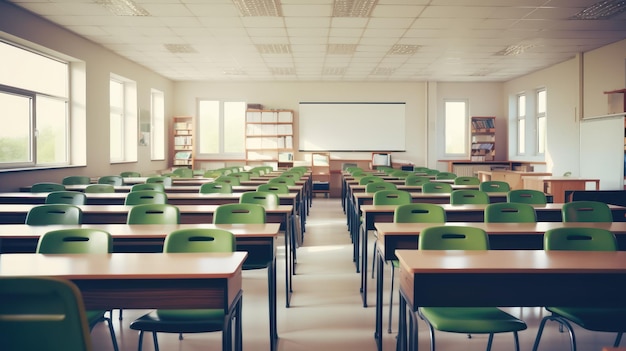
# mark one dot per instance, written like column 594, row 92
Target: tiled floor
column 326, row 311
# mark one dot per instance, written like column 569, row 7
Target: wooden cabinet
column 269, row 137
column 182, row 142
column 483, row 138
column 320, row 171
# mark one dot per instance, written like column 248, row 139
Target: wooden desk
column 502, row 236
column 558, row 185
column 258, row 240
column 513, row 178
column 507, row 278
column 145, row 280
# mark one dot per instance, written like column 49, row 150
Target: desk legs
column 271, row 286
column 407, row 335
column 363, row 243
column 378, row 334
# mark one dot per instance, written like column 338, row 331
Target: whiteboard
column 351, row 126
column 602, row 151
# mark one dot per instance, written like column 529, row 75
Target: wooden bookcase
column 483, row 139
column 182, row 145
column 269, row 137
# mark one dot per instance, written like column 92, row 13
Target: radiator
column 469, row 170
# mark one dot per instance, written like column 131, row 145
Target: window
column 123, row 120
column 157, row 136
column 541, row 121
column 521, row 124
column 456, row 117
column 34, row 95
column 221, row 126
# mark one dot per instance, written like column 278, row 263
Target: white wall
column 604, row 69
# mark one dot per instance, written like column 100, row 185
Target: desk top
column 124, row 265
column 24, row 196
column 21, row 208
column 538, row 228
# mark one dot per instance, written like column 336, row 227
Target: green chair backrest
column 112, row 180
column 54, row 214
column 216, row 187
column 166, row 181
column 277, row 188
column 419, row 213
column 445, row 175
column 183, row 172
column 579, row 239
column 239, row 213
column 400, row 174
column 153, row 214
column 99, row 188
column 299, row 169
column 453, row 238
column 494, row 186
column 282, row 180
column 199, row 240
column 76, row 180
column 469, row 196
column 466, row 180
column 586, row 211
column 75, row 241
column 66, row 197
column 42, row 313
column 370, row 179
column 233, row 181
column 266, row 199
column 416, row 180
column 392, row 197
column 435, row 187
column 376, row 186
column 510, row 212
column 148, row 186
column 351, row 170
column 240, row 175
column 127, row 174
column 213, row 173
column 141, row 197
column 527, row 196
column 46, row 187
column 291, row 174
column 420, row 169
column 431, row 172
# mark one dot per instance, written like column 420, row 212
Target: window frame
column 157, row 126
column 220, row 154
column 541, row 119
column 520, row 119
column 129, row 121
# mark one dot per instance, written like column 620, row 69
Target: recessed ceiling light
column 334, row 71
column 251, row 8
column 123, row 7
column 400, row 49
column 514, row 50
column 179, row 48
column 283, row 71
column 382, row 71
column 273, row 48
column 353, row 8
column 601, row 10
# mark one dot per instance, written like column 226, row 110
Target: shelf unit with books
column 483, row 139
column 182, row 146
column 269, row 137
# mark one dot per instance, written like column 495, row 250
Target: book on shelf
column 483, row 123
column 182, row 155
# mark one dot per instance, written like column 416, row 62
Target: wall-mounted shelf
column 617, row 101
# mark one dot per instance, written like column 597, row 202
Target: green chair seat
column 472, row 320
column 595, row 319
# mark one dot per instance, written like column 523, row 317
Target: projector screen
column 351, row 126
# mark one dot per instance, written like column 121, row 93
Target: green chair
column 214, row 173
column 243, row 176
column 445, row 175
column 465, row 320
column 527, row 196
column 266, row 199
column 291, row 174
column 431, row 172
column 436, row 188
column 376, row 186
column 282, row 180
column 128, row 174
column 46, row 187
column 99, row 188
column 510, row 212
column 80, row 241
column 183, row 172
column 205, row 240
column 233, row 181
column 463, row 180
column 370, row 179
column 400, row 174
column 416, row 180
column 420, row 169
column 216, row 187
column 66, row 197
column 353, row 169
column 54, row 214
column 494, row 186
column 148, row 186
column 274, row 188
column 609, row 320
column 301, row 169
column 586, row 211
column 42, row 313
column 153, row 214
column 413, row 213
column 166, row 181
column 112, row 180
column 239, row 213
column 469, row 196
column 76, row 180
column 145, row 197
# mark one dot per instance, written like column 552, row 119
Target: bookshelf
column 182, row 142
column 269, row 137
column 483, row 139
